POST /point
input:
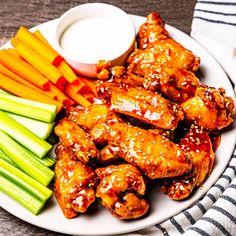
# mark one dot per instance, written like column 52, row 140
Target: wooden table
column 29, row 13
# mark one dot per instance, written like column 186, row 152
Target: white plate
column 99, row 221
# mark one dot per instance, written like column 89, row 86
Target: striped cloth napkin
column 214, row 27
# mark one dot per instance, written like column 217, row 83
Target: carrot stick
column 14, row 42
column 5, row 71
column 67, row 102
column 39, row 63
column 67, row 72
column 91, row 84
column 13, row 52
column 88, row 96
column 47, row 93
column 23, row 91
column 78, row 86
column 63, row 67
column 39, row 36
column 23, row 69
column 48, row 53
column 77, row 97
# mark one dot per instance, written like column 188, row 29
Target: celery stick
column 14, row 191
column 47, row 161
column 25, row 160
column 25, row 181
column 6, row 158
column 23, row 135
column 28, row 108
column 40, row 128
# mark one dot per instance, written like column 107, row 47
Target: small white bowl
column 115, row 43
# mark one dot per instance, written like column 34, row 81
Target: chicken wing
column 151, row 152
column 95, row 114
column 176, row 84
column 209, row 108
column 75, row 184
column 155, row 46
column 121, row 189
column 197, row 146
column 147, row 106
column 163, row 53
column 165, row 64
column 80, row 145
column 152, row 30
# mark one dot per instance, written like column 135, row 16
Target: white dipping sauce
column 95, row 38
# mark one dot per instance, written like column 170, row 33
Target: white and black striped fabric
column 214, row 214
column 214, row 27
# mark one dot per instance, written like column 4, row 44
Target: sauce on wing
column 197, row 141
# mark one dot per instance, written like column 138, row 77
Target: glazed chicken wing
column 94, row 114
column 176, row 84
column 163, row 53
column 110, row 153
column 121, row 189
column 78, row 142
column 75, row 184
column 147, row 106
column 197, row 146
column 209, row 108
column 151, row 152
column 155, row 46
column 151, row 31
column 165, row 64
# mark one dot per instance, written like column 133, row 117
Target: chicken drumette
column 178, row 87
column 209, row 108
column 75, row 184
column 197, row 146
column 165, row 64
column 157, row 47
column 92, row 115
column 151, row 152
column 78, row 142
column 147, row 106
column 121, row 189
